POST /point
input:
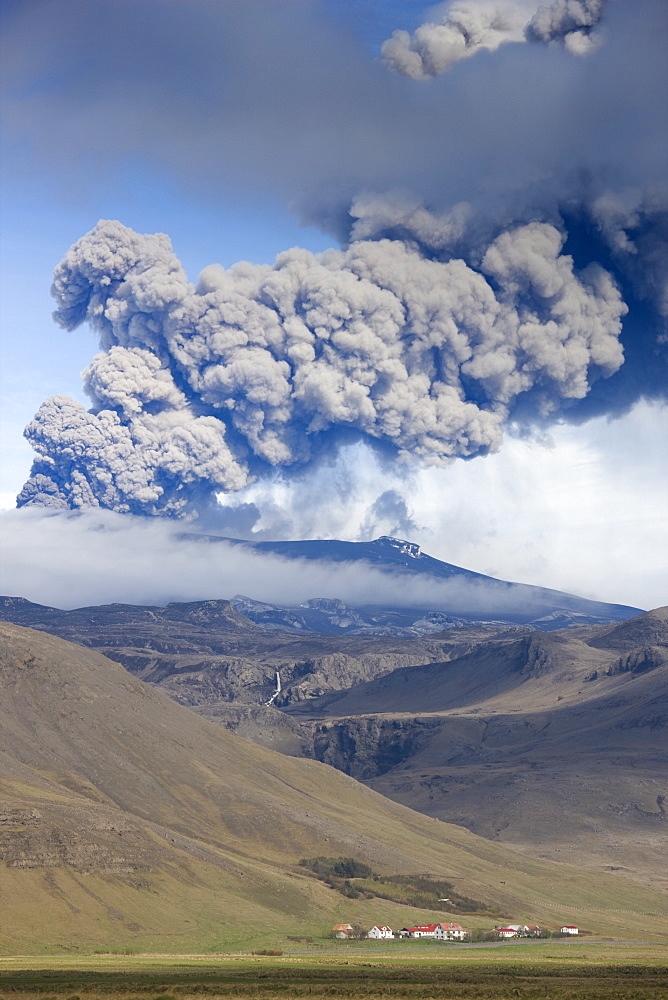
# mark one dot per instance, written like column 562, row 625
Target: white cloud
column 582, row 510
column 585, row 513
column 71, row 560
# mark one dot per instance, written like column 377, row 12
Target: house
column 342, row 930
column 380, row 933
column 518, row 930
column 440, row 932
column 419, row 931
column 570, row 930
column 450, row 932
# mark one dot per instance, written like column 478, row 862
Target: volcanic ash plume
column 200, row 389
column 470, row 26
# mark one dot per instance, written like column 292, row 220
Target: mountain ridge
column 126, row 818
column 211, row 652
column 488, row 597
column 414, row 718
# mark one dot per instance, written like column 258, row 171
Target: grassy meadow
column 559, row 970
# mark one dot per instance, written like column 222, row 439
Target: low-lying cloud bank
column 73, row 560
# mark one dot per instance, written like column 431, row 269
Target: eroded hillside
column 126, row 817
column 555, row 744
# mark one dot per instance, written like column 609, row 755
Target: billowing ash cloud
column 570, row 22
column 466, row 27
column 635, row 229
column 481, row 218
column 199, row 389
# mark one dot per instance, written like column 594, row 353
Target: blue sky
column 257, row 139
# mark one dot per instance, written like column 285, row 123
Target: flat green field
column 534, row 971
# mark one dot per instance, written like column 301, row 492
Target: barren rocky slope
column 126, row 819
column 556, row 744
column 553, row 743
column 205, row 652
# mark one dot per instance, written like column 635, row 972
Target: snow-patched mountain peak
column 411, row 549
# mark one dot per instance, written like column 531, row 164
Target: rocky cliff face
column 110, row 846
column 639, row 660
column 367, row 747
column 339, row 671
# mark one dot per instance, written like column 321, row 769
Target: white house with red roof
column 450, row 932
column 506, row 932
column 381, row 933
column 440, row 932
column 419, row 931
column 569, row 929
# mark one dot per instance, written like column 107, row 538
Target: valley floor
column 595, row 970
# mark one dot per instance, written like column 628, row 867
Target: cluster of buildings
column 438, row 932
column 525, row 931
column 442, row 931
column 517, row 931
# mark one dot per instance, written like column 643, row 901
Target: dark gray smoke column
column 198, row 390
